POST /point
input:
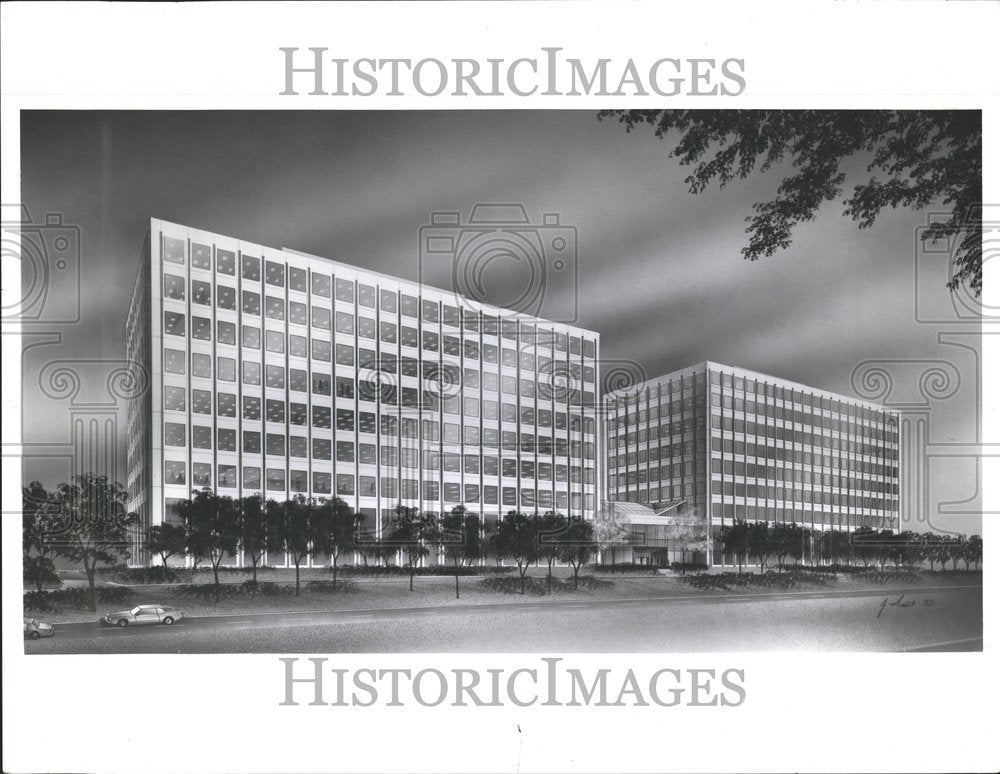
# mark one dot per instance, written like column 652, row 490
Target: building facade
column 735, row 444
column 283, row 373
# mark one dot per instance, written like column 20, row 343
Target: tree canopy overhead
column 917, row 158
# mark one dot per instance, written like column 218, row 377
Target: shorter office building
column 736, row 444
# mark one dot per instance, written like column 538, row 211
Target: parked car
column 35, row 629
column 144, row 614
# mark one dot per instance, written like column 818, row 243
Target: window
column 275, row 444
column 297, row 380
column 227, row 476
column 251, row 336
column 250, row 268
column 251, row 407
column 225, row 262
column 366, row 328
column 251, row 372
column 274, row 341
column 201, row 437
column 201, row 293
column 321, row 416
column 274, row 274
column 225, row 332
column 173, row 250
column 345, row 322
column 321, row 482
column 174, row 434
column 297, row 279
column 321, row 448
column 173, row 323
column 274, row 377
column 251, row 442
column 201, row 365
column 174, row 398
column 226, row 440
column 345, row 484
column 226, row 369
column 225, row 404
column 321, row 350
column 321, row 384
column 201, row 401
column 275, row 410
column 387, row 300
column 251, row 302
column 201, row 328
column 345, row 290
column 297, row 313
column 345, row 451
column 297, row 413
column 321, row 285
column 366, row 295
column 298, row 480
column 275, row 479
column 297, row 346
column 274, row 308
column 173, row 287
column 298, row 446
column 345, row 354
column 174, row 472
column 251, row 477
column 345, row 419
column 225, row 297
column 201, row 474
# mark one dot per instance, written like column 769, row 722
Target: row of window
column 319, row 284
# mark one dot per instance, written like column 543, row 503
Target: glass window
column 321, row 416
column 345, row 290
column 321, row 318
column 275, row 410
column 297, row 279
column 251, row 302
column 201, row 365
column 297, row 313
column 201, row 328
column 297, row 413
column 251, row 442
column 345, row 322
column 345, row 354
column 225, row 404
column 201, row 256
column 275, row 479
column 321, row 350
column 173, row 287
column 345, row 419
column 225, row 332
column 201, row 293
column 173, row 250
column 366, row 328
column 201, row 401
column 387, row 300
column 251, row 477
column 321, row 285
column 274, row 376
column 274, row 274
column 298, row 446
column 225, row 262
column 297, row 346
column 250, row 268
column 345, row 484
column 174, row 398
column 227, row 369
column 274, row 308
column 298, row 380
column 251, row 407
column 275, row 444
column 366, row 295
column 321, row 384
column 429, row 310
column 321, row 448
column 251, row 372
column 321, row 482
column 274, row 341
column 174, row 472
column 409, row 306
column 174, row 434
column 201, row 474
column 227, row 476
column 201, row 437
column 345, row 451
column 173, row 323
column 226, row 441
column 225, row 297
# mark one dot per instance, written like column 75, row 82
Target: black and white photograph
column 487, row 393
column 478, row 381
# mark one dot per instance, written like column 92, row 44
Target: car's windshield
column 34, row 622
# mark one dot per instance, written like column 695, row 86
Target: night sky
column 658, row 271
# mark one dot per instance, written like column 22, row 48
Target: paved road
column 923, row 618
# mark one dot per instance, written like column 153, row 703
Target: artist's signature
column 902, row 602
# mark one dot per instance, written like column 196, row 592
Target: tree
column 864, row 545
column 577, row 545
column 258, row 532
column 760, row 543
column 551, row 527
column 974, row 551
column 297, row 524
column 166, row 540
column 686, row 529
column 918, row 157
column 609, row 529
column 336, row 530
column 458, row 537
column 40, row 525
column 734, row 541
column 957, row 546
column 94, row 524
column 788, row 540
column 516, row 538
column 213, row 528
column 410, row 532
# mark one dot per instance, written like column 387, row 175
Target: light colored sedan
column 35, row 629
column 144, row 614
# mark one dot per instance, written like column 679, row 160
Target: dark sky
column 659, row 271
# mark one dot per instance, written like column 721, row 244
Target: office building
column 284, row 373
column 730, row 444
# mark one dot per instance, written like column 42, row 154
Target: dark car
column 144, row 614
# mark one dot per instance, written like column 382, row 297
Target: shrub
column 626, row 568
column 38, row 601
column 688, row 566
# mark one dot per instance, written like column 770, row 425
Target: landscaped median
column 381, row 588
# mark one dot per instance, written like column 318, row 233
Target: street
column 922, row 618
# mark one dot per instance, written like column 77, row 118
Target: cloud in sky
column 659, row 270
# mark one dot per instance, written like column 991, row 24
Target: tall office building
column 279, row 372
column 736, row 444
